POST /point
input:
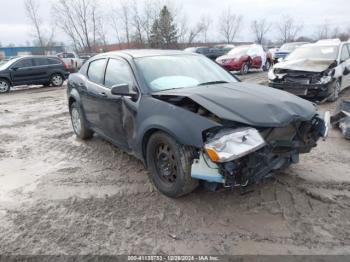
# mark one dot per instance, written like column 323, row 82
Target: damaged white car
column 319, row 71
column 189, row 120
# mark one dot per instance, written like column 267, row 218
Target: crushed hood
column 248, row 104
column 306, row 65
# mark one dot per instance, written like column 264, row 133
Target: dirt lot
column 59, row 195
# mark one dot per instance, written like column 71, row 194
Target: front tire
column 335, row 92
column 4, row 86
column 56, row 80
column 80, row 127
column 169, row 164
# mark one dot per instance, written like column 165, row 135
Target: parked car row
column 32, row 70
column 246, row 57
column 211, row 52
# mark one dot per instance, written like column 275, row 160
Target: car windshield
column 314, row 52
column 6, row 63
column 290, row 47
column 181, row 71
column 239, row 51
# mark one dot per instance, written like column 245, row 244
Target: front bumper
column 319, row 91
column 282, row 149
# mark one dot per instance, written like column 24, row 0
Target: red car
column 243, row 58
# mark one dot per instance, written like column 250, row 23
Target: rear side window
column 40, row 61
column 26, row 62
column 96, row 71
column 118, row 72
column 53, row 61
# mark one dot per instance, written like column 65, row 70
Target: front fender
column 183, row 125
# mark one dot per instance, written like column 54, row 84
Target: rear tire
column 245, row 68
column 80, row 128
column 4, row 86
column 169, row 164
column 56, row 80
column 335, row 93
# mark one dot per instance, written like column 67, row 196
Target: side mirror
column 123, row 90
column 15, row 68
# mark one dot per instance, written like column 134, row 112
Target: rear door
column 41, row 70
column 21, row 72
column 345, row 65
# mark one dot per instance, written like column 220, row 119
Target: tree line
column 154, row 23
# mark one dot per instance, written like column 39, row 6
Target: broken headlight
column 325, row 80
column 229, row 146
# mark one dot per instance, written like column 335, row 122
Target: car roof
column 137, row 53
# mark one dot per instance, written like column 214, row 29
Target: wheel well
column 57, row 73
column 71, row 101
column 8, row 80
column 146, row 138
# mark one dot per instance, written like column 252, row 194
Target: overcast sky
column 15, row 28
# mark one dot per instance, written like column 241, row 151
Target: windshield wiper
column 212, row 83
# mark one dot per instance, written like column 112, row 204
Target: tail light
column 64, row 64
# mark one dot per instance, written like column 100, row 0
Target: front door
column 114, row 112
column 22, row 72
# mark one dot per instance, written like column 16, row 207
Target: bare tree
column 125, row 14
column 42, row 38
column 195, row 31
column 229, row 25
column 260, row 29
column 79, row 20
column 288, row 29
column 136, row 23
column 206, row 22
column 116, row 26
column 151, row 9
column 324, row 31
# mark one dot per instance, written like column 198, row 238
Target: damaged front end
column 243, row 156
column 305, row 84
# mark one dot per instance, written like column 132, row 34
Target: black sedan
column 32, row 70
column 188, row 119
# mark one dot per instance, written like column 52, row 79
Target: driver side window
column 118, row 72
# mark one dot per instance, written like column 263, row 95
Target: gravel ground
column 60, row 195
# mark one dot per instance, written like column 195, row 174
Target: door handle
column 103, row 94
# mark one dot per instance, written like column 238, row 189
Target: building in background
column 6, row 52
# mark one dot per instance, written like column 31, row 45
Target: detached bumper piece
column 341, row 118
column 320, row 91
column 283, row 146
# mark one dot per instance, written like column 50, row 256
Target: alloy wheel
column 4, row 86
column 57, row 80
